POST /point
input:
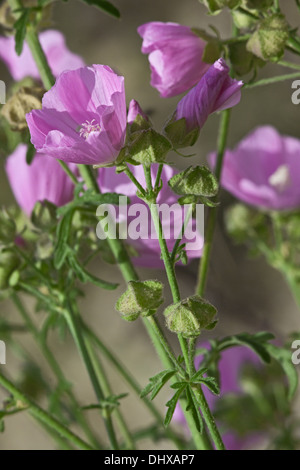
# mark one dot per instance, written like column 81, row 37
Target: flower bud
column 140, row 298
column 8, row 264
column 7, row 228
column 44, row 215
column 269, row 40
column 22, row 102
column 194, row 181
column 190, row 316
column 7, row 20
column 215, row 6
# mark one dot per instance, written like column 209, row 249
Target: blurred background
column 249, row 295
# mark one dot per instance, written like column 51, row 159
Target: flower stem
column 289, row 65
column 55, row 368
column 212, row 218
column 270, row 81
column 75, row 329
column 42, row 416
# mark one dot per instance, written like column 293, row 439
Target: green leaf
column 156, row 381
column 195, row 181
column 199, row 374
column 84, row 276
column 90, row 198
column 283, row 356
column 20, row 27
column 149, row 147
column 63, row 233
column 159, row 385
column 30, row 153
column 211, row 384
column 171, row 404
column 105, row 6
column 193, row 406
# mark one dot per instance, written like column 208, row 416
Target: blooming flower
column 83, row 117
column 53, row 44
column 175, row 56
column 147, row 245
column 229, row 366
column 43, row 179
column 263, row 170
column 215, row 91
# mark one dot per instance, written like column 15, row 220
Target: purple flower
column 216, row 91
column 175, row 56
column 43, row 179
column 147, row 244
column 53, row 44
column 83, row 117
column 263, row 170
column 230, row 366
column 134, row 110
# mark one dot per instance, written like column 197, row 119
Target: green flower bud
column 44, row 215
column 8, row 264
column 269, row 40
column 140, row 298
column 22, row 102
column 190, row 316
column 149, row 147
column 242, row 60
column 7, row 228
column 194, row 181
column 215, row 6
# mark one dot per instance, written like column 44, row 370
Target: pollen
column 88, row 128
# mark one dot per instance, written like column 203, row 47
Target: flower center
column 280, row 179
column 88, row 128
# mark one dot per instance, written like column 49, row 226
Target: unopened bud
column 22, row 102
column 140, row 298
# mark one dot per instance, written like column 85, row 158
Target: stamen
column 88, row 128
column 280, row 179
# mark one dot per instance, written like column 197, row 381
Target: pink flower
column 230, row 366
column 53, row 43
column 216, row 91
column 134, row 110
column 263, row 170
column 147, row 246
column 83, row 117
column 43, row 179
column 175, row 56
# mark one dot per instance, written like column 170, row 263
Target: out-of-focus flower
column 230, row 366
column 53, row 44
column 175, row 56
column 21, row 103
column 43, row 179
column 135, row 110
column 83, row 117
column 263, row 170
column 147, row 245
column 215, row 91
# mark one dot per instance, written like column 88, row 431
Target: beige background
column 249, row 295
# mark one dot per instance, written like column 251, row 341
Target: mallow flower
column 263, row 170
column 83, row 117
column 175, row 56
column 231, row 362
column 134, row 110
column 146, row 244
column 43, row 180
column 54, row 46
column 215, row 91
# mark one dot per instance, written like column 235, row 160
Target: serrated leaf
column 177, row 385
column 171, row 404
column 156, row 381
column 161, row 383
column 199, row 374
column 105, row 6
column 283, row 356
column 211, row 384
column 254, row 342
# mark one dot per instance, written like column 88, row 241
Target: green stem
column 55, row 368
column 68, row 171
column 135, row 181
column 75, row 329
column 42, row 416
column 294, row 45
column 209, row 419
column 130, row 445
column 272, row 80
column 212, row 218
column 40, row 58
column 289, row 65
